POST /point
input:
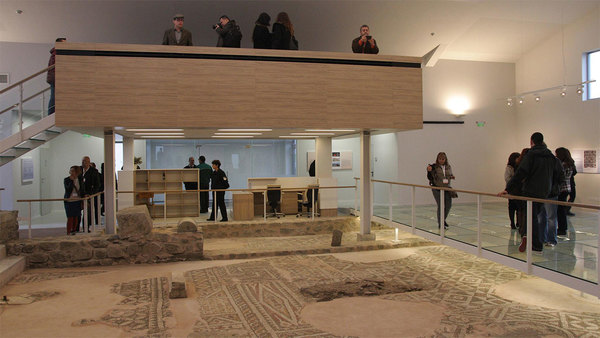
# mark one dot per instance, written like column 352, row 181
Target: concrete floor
column 454, row 294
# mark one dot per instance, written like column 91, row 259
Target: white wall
column 59, row 155
column 565, row 122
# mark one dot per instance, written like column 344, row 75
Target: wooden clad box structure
column 179, row 202
column 110, row 85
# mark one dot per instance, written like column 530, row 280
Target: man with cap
column 177, row 35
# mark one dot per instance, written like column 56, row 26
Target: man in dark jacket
column 537, row 171
column 218, row 180
column 229, row 33
column 365, row 43
column 50, row 78
column 191, row 165
column 205, row 172
column 91, row 185
column 177, row 35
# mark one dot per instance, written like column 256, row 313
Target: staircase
column 25, row 139
column 28, row 139
column 10, row 267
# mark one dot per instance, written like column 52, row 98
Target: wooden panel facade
column 109, row 85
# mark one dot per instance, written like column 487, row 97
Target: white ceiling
column 498, row 30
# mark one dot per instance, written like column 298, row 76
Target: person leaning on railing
column 73, row 189
column 439, row 175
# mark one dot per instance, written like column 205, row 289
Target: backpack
column 235, row 36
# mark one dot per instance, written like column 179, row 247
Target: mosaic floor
column 574, row 255
column 263, row 298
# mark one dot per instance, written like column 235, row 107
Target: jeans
column 562, row 214
column 547, row 219
column 447, row 204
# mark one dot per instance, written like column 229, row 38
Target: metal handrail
column 85, row 214
column 25, row 100
column 507, row 196
column 528, row 266
column 263, row 190
column 25, row 79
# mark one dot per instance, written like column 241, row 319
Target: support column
column 110, row 203
column 126, row 175
column 365, row 188
column 128, row 155
column 323, row 157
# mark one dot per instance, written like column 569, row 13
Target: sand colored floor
column 454, row 294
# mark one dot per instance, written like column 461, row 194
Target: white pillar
column 128, row 154
column 365, row 187
column 109, row 182
column 323, row 157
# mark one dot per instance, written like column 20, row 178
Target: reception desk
column 289, row 198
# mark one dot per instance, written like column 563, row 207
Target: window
column 592, row 72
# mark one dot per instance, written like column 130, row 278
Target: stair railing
column 22, row 99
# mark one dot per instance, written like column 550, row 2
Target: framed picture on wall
column 26, row 170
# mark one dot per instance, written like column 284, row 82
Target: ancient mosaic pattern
column 144, row 309
column 31, row 277
column 262, row 298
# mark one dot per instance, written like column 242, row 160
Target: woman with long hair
column 568, row 164
column 283, row 30
column 439, row 175
column 261, row 35
column 521, row 205
column 73, row 189
column 511, row 166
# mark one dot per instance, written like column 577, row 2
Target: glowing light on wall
column 458, row 105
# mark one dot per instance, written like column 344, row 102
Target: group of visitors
column 280, row 37
column 83, row 181
column 538, row 173
column 535, row 173
column 217, row 180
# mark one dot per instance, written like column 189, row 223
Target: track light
column 537, row 98
column 509, row 102
column 563, row 92
column 521, row 100
column 579, row 89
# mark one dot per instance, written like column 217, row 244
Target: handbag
column 453, row 194
column 293, row 43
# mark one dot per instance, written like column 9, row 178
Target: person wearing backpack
column 229, row 32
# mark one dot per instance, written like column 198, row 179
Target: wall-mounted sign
column 26, row 170
column 340, row 160
column 587, row 160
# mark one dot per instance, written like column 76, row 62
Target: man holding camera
column 177, row 35
column 365, row 43
column 229, row 33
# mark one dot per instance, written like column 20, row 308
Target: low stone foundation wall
column 62, row 252
column 285, row 226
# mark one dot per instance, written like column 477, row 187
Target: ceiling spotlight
column 579, row 89
column 521, row 100
column 563, row 92
column 538, row 98
column 509, row 102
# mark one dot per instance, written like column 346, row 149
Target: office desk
column 242, row 206
column 289, row 203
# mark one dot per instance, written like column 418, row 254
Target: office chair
column 306, row 200
column 274, row 200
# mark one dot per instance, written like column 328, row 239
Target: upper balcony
column 204, row 88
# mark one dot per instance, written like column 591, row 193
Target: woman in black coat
column 218, row 180
column 283, row 30
column 261, row 36
column 73, row 189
